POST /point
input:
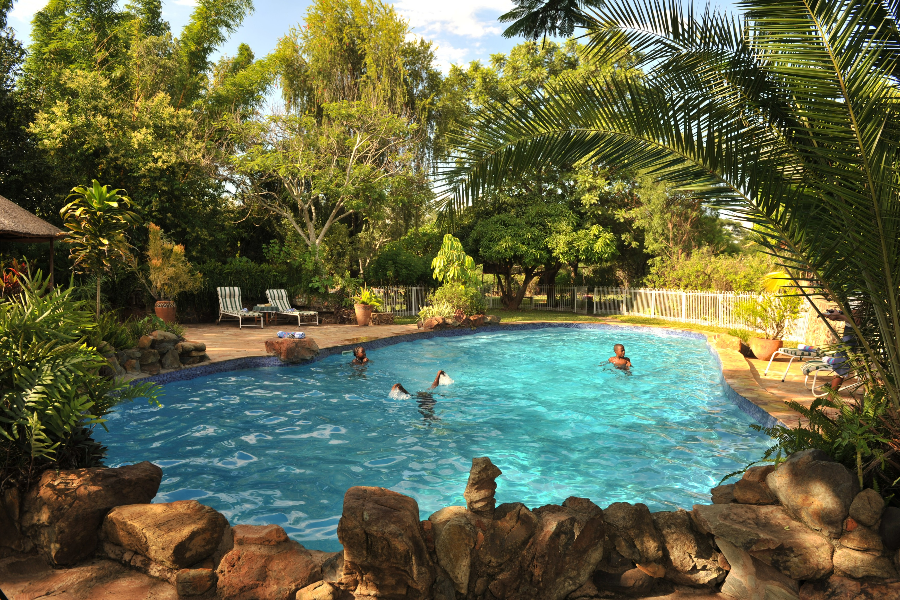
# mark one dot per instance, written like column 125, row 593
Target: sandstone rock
column 843, row 588
column 890, row 528
column 291, row 350
column 201, row 353
column 145, row 342
column 864, row 539
column 149, row 356
column 170, row 360
column 265, row 570
column 164, row 336
column 752, row 488
column 134, row 353
column 507, row 535
column 816, row 489
column 454, row 542
column 184, row 347
column 190, row 360
column 632, row 582
column 728, row 342
column 491, row 320
column 63, row 512
column 856, row 564
column 691, row 557
column 867, row 507
column 151, row 368
column 194, row 582
column 323, row 590
column 752, row 579
column 770, row 535
column 177, row 534
column 723, row 494
column 132, row 366
column 481, row 486
column 10, row 536
column 163, row 347
column 383, row 545
column 633, row 532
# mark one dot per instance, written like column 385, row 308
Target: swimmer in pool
column 620, row 361
column 397, row 387
column 359, row 356
column 425, row 400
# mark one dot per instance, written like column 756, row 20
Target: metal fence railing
column 402, row 301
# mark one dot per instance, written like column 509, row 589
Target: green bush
column 149, row 324
column 397, row 266
column 770, row 314
column 51, row 392
column 453, row 298
column 704, row 270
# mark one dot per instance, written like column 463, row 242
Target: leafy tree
column 98, row 220
column 452, row 264
column 807, row 153
column 170, row 272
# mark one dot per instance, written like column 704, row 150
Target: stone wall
column 158, row 351
column 803, row 530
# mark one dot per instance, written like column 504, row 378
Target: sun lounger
column 800, row 352
column 230, row 306
column 279, row 299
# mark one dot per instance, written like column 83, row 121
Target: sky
column 462, row 30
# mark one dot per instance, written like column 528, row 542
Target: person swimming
column 425, row 400
column 620, row 361
column 359, row 356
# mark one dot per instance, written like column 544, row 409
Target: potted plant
column 769, row 314
column 364, row 303
column 170, row 273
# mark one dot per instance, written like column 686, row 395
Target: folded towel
column 833, row 360
column 806, row 348
column 295, row 335
column 244, row 310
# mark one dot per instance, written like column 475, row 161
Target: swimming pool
column 282, row 444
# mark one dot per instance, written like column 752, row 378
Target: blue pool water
column 281, row 445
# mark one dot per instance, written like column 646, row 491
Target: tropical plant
column 9, row 278
column 170, row 271
column 98, row 220
column 51, row 392
column 463, row 299
column 452, row 264
column 769, row 314
column 437, row 309
column 367, row 296
column 786, row 116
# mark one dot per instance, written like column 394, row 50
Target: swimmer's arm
column 437, row 380
column 627, row 362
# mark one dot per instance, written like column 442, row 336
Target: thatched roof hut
column 19, row 225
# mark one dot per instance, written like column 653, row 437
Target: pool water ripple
column 282, row 445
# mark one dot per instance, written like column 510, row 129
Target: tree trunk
column 98, row 297
column 510, row 301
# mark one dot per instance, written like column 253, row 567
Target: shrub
column 51, row 393
column 703, row 270
column 454, row 298
column 437, row 309
column 769, row 314
column 397, row 266
column 170, row 272
column 149, row 324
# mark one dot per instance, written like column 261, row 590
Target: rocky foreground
column 803, row 530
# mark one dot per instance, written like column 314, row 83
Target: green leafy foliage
column 703, row 269
column 146, row 325
column 366, row 296
column 452, row 264
column 454, row 299
column 170, row 272
column 51, row 393
column 397, row 266
column 769, row 314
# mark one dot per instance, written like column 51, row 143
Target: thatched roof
column 16, row 223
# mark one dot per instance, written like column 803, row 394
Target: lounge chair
column 800, row 352
column 279, row 299
column 825, row 366
column 230, row 306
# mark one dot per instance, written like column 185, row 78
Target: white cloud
column 447, row 55
column 468, row 18
column 23, row 10
column 185, row 2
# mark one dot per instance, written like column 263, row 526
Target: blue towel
column 805, row 348
column 296, row 335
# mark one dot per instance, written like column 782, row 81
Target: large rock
column 770, row 535
column 843, row 588
column 867, row 507
column 323, row 590
column 11, row 539
column 164, row 336
column 507, row 535
column 752, row 579
column 633, row 532
column 728, row 342
column 481, row 486
column 292, row 351
column 691, row 557
column 63, row 513
column 816, row 489
column 491, row 319
column 177, row 534
column 890, row 528
column 862, row 538
column 753, row 489
column 723, row 494
column 384, row 550
column 454, row 542
column 265, row 565
column 856, row 564
column 170, row 360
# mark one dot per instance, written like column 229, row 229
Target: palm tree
column 787, row 117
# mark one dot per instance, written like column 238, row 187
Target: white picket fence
column 403, row 301
column 705, row 308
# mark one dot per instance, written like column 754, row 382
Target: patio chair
column 825, row 366
column 279, row 299
column 230, row 306
column 801, row 352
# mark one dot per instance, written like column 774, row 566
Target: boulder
column 481, row 486
column 384, row 549
column 507, row 535
column 323, row 590
column 867, row 507
column 752, row 579
column 170, row 360
column 864, row 539
column 163, row 347
column 63, row 512
column 11, row 539
column 112, row 369
column 144, row 342
column 176, row 534
column 149, row 356
column 454, row 542
column 753, row 489
column 856, row 564
column 261, row 568
column 164, row 336
column 890, row 528
column 150, row 368
column 728, row 342
column 691, row 557
column 491, row 320
column 843, row 588
column 633, row 532
column 816, row 489
column 289, row 350
column 769, row 534
column 184, row 347
column 194, row 582
column 723, row 494
column 632, row 582
column 132, row 366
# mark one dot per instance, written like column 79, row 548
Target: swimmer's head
column 359, row 352
column 619, row 350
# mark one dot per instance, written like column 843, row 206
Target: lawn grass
column 518, row 316
column 406, row 320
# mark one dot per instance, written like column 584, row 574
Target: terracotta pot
column 763, row 349
column 363, row 314
column 165, row 310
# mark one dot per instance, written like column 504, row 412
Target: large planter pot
column 165, row 310
column 363, row 314
column 763, row 349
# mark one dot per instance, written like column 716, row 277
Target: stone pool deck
column 746, row 376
